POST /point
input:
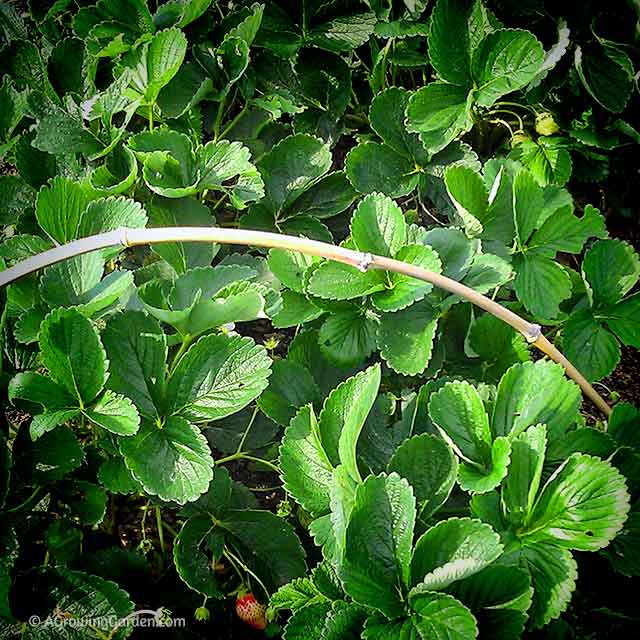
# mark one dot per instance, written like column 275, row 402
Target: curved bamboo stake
column 362, row 261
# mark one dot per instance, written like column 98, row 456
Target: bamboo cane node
column 534, row 332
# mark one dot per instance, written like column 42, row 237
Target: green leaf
column 109, row 214
column 173, row 462
column 55, row 455
column 612, row 268
column 442, row 617
column 624, row 320
column 344, row 621
column 623, row 549
column 69, row 283
column 488, row 272
column 454, row 249
column 116, row 478
column 378, row 226
column 528, row 202
column 289, row 267
column 307, row 622
column 481, row 479
column 375, row 167
column 267, row 543
column 432, row 483
column 458, row 411
column 553, row 573
column 604, row 71
column 337, row 281
column 343, row 415
column 469, row 196
column 439, row 113
column 505, row 61
column 296, row 595
column 291, row 386
column 117, row 175
column 405, row 290
column 452, row 550
column 115, row 413
column 154, row 63
column 348, row 337
column 327, row 197
column 525, row 471
column 589, row 346
column 306, row 469
column 376, row 564
column 541, row 284
column 582, row 506
column 499, row 596
column 296, row 310
column 59, row 208
column 174, row 212
column 218, row 376
column 547, row 158
column 291, row 167
column 82, row 596
column 343, row 33
column 72, row 352
column 535, row 393
column 405, row 338
column 563, row 231
column 451, row 40
column 193, row 564
column 137, row 351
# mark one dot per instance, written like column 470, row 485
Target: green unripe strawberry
column 546, row 125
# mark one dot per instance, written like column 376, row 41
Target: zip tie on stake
column 127, row 237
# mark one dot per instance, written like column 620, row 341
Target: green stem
column 24, row 502
column 186, row 343
column 235, row 120
column 231, row 556
column 247, row 429
column 160, row 528
column 244, row 456
column 218, row 123
column 150, row 117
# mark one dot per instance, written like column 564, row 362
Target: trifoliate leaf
column 469, row 196
column 405, row 338
column 115, row 477
column 306, row 469
column 547, row 158
column 72, row 353
column 582, row 506
column 624, row 320
column 109, row 214
column 307, row 622
column 376, row 563
column 432, row 483
column 455, row 250
column 289, row 267
column 218, row 376
column 297, row 594
column 172, row 462
column 343, row 33
column 535, row 393
column 505, row 61
column 439, row 113
column 297, row 309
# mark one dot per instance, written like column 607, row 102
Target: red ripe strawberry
column 251, row 612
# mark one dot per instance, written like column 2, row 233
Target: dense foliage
column 435, row 478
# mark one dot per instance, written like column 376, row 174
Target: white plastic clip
column 365, row 262
column 534, row 334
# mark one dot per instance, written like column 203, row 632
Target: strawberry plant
column 301, row 304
